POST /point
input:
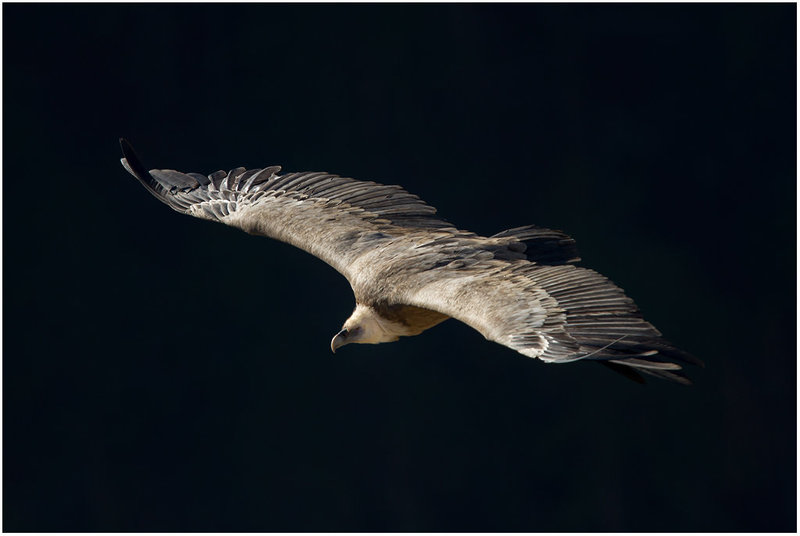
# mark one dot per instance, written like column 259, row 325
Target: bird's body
column 410, row 270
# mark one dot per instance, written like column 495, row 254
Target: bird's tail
column 543, row 246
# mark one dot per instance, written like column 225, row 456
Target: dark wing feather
column 628, row 372
column 543, row 246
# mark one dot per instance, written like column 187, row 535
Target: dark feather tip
column 627, row 372
column 135, row 163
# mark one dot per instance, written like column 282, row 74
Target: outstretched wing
column 558, row 313
column 331, row 217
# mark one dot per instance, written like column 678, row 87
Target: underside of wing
column 558, row 313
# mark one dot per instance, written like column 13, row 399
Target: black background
column 165, row 373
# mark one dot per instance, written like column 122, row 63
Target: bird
column 410, row 270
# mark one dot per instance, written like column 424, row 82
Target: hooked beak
column 339, row 340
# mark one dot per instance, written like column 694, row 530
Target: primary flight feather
column 410, row 270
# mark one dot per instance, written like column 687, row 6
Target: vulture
column 411, row 270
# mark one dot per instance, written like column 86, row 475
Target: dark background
column 165, row 373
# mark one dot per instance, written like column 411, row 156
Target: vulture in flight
column 411, row 270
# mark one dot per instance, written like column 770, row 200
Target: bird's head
column 365, row 326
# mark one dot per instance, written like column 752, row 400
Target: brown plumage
column 410, row 270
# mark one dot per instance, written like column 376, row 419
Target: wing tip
column 134, row 164
column 627, row 372
column 131, row 162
